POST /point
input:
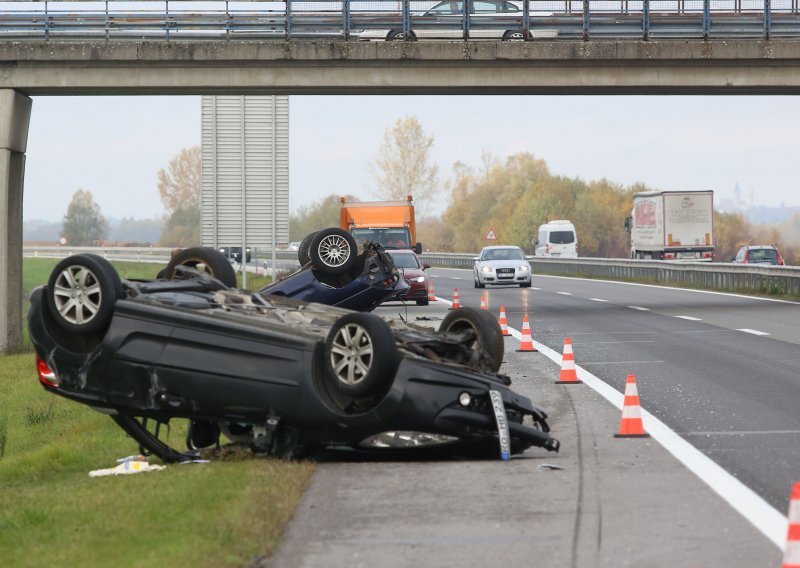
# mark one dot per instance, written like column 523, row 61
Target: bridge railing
column 398, row 19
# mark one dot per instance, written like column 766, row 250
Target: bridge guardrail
column 778, row 280
column 399, row 19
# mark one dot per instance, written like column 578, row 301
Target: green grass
column 226, row 513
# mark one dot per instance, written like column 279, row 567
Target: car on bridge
column 502, row 265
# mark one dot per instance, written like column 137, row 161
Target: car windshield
column 389, row 238
column 762, row 254
column 405, row 260
column 503, row 254
column 562, row 237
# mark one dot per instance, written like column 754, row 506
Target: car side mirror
column 476, row 258
column 628, row 223
column 425, row 266
column 536, row 242
column 418, row 248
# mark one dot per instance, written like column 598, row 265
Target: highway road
column 720, row 370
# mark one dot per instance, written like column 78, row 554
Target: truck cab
column 389, row 223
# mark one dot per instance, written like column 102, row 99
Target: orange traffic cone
column 568, row 373
column 526, row 342
column 503, row 321
column 791, row 555
column 432, row 293
column 456, row 304
column 631, row 426
column 483, row 303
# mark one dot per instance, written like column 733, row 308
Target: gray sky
column 114, row 146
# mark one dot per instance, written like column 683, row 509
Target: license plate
column 503, row 434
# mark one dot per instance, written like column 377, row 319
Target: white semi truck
column 672, row 225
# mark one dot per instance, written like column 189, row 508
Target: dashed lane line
column 640, row 308
column 618, row 362
column 690, row 318
column 598, row 300
column 565, row 293
column 753, row 331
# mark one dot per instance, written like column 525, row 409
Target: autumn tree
column 318, row 215
column 180, row 190
column 83, row 222
column 402, row 165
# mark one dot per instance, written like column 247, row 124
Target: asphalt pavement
column 602, row 501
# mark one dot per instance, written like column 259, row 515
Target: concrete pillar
column 15, row 115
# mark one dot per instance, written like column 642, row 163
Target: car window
column 405, row 260
column 762, row 254
column 509, row 7
column 562, row 237
column 485, row 7
column 447, row 8
column 503, row 254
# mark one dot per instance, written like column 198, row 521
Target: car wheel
column 478, row 283
column 333, row 251
column 424, row 302
column 514, row 35
column 81, row 293
column 201, row 258
column 302, row 250
column 360, row 355
column 525, row 284
column 400, row 35
column 487, row 343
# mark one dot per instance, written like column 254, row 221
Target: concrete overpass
column 33, row 68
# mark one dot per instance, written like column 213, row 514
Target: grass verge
column 226, row 513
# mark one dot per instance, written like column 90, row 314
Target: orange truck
column 390, row 223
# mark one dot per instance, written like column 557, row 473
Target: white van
column 556, row 238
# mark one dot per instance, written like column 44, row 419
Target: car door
column 444, row 20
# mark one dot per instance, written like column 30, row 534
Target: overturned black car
column 283, row 376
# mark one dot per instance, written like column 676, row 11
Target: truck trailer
column 390, row 223
column 672, row 225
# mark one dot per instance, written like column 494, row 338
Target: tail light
column 46, row 375
column 669, row 255
column 707, row 255
column 780, row 260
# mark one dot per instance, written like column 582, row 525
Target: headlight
column 523, row 268
column 418, row 279
column 486, row 269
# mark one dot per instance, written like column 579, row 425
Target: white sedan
column 502, row 265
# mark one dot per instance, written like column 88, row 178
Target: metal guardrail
column 399, row 19
column 777, row 280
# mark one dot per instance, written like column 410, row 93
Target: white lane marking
column 741, row 432
column 535, row 288
column 565, row 293
column 609, row 342
column 690, row 318
column 669, row 288
column 457, row 278
column 747, row 502
column 598, row 300
column 753, row 331
column 617, row 362
column 640, row 308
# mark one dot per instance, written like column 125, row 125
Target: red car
column 414, row 274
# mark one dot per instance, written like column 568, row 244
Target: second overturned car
column 284, row 377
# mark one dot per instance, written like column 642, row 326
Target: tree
column 180, row 190
column 309, row 218
column 402, row 165
column 83, row 222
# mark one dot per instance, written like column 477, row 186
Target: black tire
column 514, row 35
column 333, row 251
column 525, row 285
column 213, row 262
column 424, row 302
column 478, row 283
column 399, row 35
column 81, row 293
column 364, row 369
column 302, row 250
column 488, row 342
